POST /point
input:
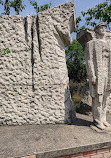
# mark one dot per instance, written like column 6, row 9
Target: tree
column 18, row 6
column 75, row 62
column 41, row 8
column 74, row 53
column 100, row 13
column 7, row 7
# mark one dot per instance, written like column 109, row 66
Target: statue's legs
column 106, row 104
column 99, row 110
column 104, row 119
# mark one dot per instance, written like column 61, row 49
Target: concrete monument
column 33, row 76
column 97, row 45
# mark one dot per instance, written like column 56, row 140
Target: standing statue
column 98, row 63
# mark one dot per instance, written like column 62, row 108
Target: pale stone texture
column 97, row 44
column 33, row 77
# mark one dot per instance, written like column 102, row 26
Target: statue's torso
column 101, row 62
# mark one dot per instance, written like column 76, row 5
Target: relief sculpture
column 98, row 63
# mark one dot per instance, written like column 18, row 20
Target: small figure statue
column 98, row 61
column 97, row 45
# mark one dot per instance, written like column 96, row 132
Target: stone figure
column 98, row 63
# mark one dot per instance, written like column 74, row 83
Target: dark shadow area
column 38, row 36
column 70, row 112
column 81, row 97
column 82, row 122
column 25, row 29
column 84, row 109
column 84, row 116
column 32, row 56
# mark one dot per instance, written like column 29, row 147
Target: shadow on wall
column 84, row 115
column 81, row 97
column 84, row 109
column 82, row 122
column 70, row 114
column 32, row 45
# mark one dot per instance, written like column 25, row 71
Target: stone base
column 55, row 141
column 100, row 153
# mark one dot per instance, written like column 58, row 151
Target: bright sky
column 80, row 5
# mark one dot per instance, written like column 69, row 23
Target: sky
column 80, row 5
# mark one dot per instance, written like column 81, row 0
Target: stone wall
column 33, row 77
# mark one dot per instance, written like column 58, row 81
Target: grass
column 77, row 98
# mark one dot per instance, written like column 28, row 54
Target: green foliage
column 7, row 7
column 75, row 61
column 77, row 98
column 78, row 91
column 5, row 51
column 41, row 8
column 78, row 20
column 101, row 12
column 18, row 6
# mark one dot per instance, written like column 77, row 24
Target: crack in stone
column 25, row 28
column 32, row 54
column 38, row 35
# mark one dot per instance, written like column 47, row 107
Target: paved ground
column 53, row 140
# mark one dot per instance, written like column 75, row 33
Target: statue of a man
column 98, row 61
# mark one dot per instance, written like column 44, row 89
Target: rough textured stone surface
column 97, row 45
column 33, row 77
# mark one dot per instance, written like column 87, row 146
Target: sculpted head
column 100, row 28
